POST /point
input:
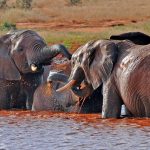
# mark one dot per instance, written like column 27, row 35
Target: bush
column 3, row 4
column 8, row 26
column 25, row 4
column 75, row 2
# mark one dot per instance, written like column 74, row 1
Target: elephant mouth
column 82, row 89
column 78, row 84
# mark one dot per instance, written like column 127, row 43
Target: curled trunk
column 50, row 52
column 44, row 55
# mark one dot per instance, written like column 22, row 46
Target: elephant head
column 24, row 52
column 92, row 65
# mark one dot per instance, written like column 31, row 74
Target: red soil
column 84, row 26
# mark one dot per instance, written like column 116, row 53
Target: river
column 60, row 131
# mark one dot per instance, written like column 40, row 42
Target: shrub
column 75, row 2
column 25, row 4
column 7, row 26
column 3, row 4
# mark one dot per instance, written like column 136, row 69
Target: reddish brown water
column 47, row 131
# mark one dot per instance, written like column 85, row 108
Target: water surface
column 48, row 131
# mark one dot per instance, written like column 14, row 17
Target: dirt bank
column 78, row 26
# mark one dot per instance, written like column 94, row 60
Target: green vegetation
column 25, row 4
column 3, row 4
column 75, row 2
column 6, row 26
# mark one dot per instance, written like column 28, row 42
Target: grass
column 87, row 12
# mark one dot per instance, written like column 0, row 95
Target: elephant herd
column 99, row 77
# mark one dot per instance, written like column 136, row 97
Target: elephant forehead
column 16, row 43
column 25, row 36
column 83, row 50
column 87, row 46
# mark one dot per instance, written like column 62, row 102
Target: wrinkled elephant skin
column 122, row 67
column 23, row 54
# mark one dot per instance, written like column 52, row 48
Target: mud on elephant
column 123, row 69
column 23, row 54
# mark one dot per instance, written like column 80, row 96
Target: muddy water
column 49, row 131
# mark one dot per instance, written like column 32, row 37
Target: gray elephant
column 22, row 57
column 46, row 97
column 123, row 69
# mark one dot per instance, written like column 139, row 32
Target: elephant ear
column 101, row 61
column 136, row 37
column 8, row 70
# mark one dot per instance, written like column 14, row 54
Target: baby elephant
column 46, row 97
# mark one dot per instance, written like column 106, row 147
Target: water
column 49, row 131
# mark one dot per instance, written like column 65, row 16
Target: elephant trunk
column 46, row 54
column 57, row 76
column 50, row 52
column 83, row 92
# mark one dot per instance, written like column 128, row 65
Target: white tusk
column 34, row 67
column 67, row 86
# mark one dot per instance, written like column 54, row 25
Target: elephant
column 46, row 97
column 23, row 53
column 136, row 37
column 121, row 67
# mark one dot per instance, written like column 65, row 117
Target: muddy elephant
column 46, row 97
column 136, row 37
column 23, row 54
column 124, row 70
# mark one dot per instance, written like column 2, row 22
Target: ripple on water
column 46, row 130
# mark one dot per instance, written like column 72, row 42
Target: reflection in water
column 47, row 131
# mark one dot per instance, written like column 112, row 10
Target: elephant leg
column 146, row 103
column 111, row 101
column 125, row 112
column 4, row 98
column 29, row 102
column 19, row 101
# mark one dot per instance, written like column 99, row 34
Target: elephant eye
column 20, row 49
column 73, row 63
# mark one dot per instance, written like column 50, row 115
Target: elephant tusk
column 67, row 86
column 34, row 67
